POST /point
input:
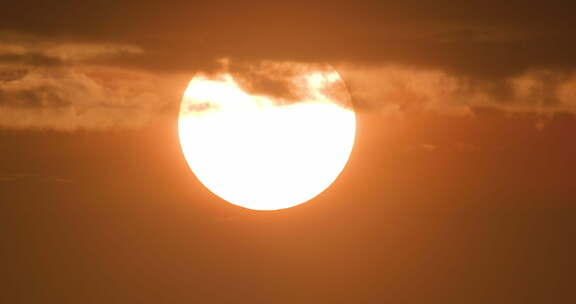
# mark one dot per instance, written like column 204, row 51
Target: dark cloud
column 481, row 37
column 514, row 54
column 39, row 97
column 33, row 59
column 12, row 74
column 267, row 78
column 287, row 81
column 71, row 98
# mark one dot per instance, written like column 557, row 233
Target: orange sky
column 460, row 188
column 460, row 209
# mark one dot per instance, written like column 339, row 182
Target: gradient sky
column 460, row 189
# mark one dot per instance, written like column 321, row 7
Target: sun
column 262, row 150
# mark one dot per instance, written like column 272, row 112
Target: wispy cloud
column 404, row 89
column 27, row 177
column 70, row 98
column 396, row 57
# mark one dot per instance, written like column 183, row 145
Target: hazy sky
column 460, row 189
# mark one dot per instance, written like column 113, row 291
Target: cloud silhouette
column 395, row 55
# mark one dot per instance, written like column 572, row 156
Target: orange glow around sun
column 255, row 151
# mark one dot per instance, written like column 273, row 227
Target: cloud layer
column 122, row 63
column 414, row 90
column 65, row 86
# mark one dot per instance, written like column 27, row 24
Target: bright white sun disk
column 255, row 153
